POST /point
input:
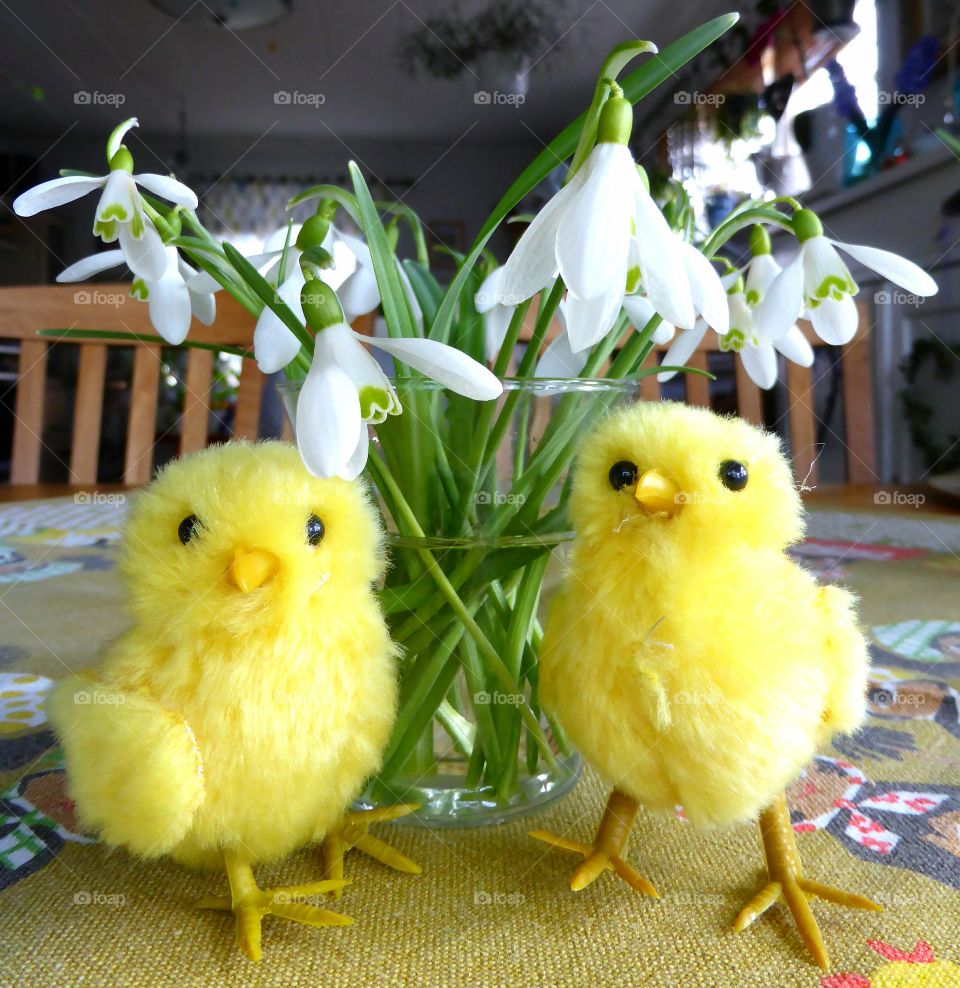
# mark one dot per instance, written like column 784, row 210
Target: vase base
column 446, row 801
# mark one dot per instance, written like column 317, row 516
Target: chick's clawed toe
column 354, row 831
column 605, row 852
column 787, row 883
column 250, row 904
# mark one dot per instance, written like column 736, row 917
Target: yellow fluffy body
column 229, row 720
column 690, row 659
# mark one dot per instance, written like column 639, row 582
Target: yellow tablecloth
column 879, row 814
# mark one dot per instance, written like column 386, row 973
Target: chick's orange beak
column 657, row 494
column 252, row 568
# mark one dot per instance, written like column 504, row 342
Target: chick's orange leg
column 607, row 849
column 786, row 882
column 353, row 831
column 250, row 904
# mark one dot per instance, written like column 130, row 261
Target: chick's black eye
column 733, row 475
column 315, row 530
column 622, row 474
column 188, row 528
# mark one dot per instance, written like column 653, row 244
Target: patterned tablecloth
column 878, row 813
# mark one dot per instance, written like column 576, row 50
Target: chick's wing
column 133, row 766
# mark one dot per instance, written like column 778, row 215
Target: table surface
column 878, row 814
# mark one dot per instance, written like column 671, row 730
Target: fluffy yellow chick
column 690, row 659
column 256, row 689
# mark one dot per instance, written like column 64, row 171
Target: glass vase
column 468, row 586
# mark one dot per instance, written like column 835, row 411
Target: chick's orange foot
column 354, row 831
column 605, row 854
column 250, row 904
column 786, row 882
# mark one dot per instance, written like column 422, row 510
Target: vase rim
column 539, row 385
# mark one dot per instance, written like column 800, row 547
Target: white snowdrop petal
column 168, row 301
column 533, row 262
column 795, row 347
column 496, row 322
column 760, row 363
column 168, row 188
column 782, row 302
column 145, row 257
column 444, row 364
column 706, row 290
column 590, row 319
column 761, row 272
column 661, row 266
column 94, row 264
column 359, row 294
column 682, row 348
column 488, row 294
column 835, row 321
column 328, row 423
column 909, row 276
column 593, row 237
column 358, row 459
column 559, row 361
column 377, row 396
column 56, row 192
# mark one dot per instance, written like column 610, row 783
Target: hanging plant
column 449, row 42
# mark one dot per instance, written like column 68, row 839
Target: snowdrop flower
column 346, row 389
column 495, row 311
column 172, row 298
column 818, row 279
column 757, row 350
column 593, row 232
column 120, row 214
column 349, row 272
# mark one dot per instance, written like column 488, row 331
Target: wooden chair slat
column 142, row 423
column 698, row 387
column 749, row 403
column 87, row 414
column 649, row 385
column 246, row 418
column 803, row 433
column 28, row 412
column 857, row 412
column 194, row 426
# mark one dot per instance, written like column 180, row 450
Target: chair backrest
column 858, row 427
column 25, row 310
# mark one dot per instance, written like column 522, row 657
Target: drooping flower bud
column 122, row 161
column 616, row 120
column 321, row 307
column 806, row 225
column 760, row 240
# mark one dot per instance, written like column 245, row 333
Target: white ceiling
column 51, row 50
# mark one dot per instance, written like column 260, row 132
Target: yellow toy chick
column 256, row 689
column 690, row 659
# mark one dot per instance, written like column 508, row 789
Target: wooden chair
column 24, row 311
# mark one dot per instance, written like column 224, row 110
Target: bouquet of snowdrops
column 470, row 466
